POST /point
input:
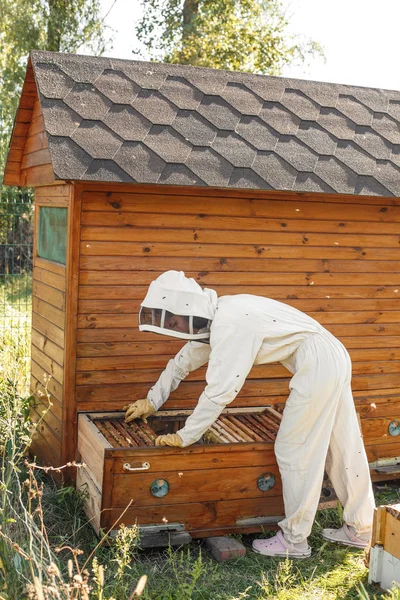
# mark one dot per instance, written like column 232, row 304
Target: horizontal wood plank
column 94, row 235
column 12, row 178
column 118, row 395
column 45, row 403
column 109, row 249
column 40, row 175
column 240, row 280
column 248, row 194
column 45, row 429
column 47, row 415
column 385, row 339
column 20, row 133
column 379, row 450
column 37, row 125
column 48, row 347
column 49, row 277
column 250, row 455
column 53, row 191
column 49, row 265
column 269, row 208
column 197, row 515
column 97, row 223
column 383, row 406
column 258, row 388
column 35, row 158
column 15, row 155
column 129, row 333
column 36, row 142
column 257, row 372
column 304, row 304
column 98, row 324
column 376, row 431
column 48, row 329
column 208, row 485
column 305, row 298
column 49, row 312
column 46, row 381
column 113, row 363
column 48, row 294
column 48, row 364
column 50, row 455
column 116, row 270
column 39, row 389
column 55, row 202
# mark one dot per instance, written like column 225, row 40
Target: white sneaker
column 279, row 547
column 346, row 535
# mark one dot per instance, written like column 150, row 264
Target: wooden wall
column 36, row 167
column 48, row 339
column 334, row 258
column 29, row 161
column 12, row 174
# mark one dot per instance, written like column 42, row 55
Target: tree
column 59, row 25
column 245, row 35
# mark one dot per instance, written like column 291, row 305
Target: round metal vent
column 265, row 482
column 159, row 488
column 394, row 428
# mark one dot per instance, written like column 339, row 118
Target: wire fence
column 16, row 237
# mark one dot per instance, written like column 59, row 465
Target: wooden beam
column 72, row 265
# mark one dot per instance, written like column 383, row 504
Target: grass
column 15, row 324
column 189, row 573
column 49, row 550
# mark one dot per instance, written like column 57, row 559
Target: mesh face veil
column 177, row 306
column 160, row 320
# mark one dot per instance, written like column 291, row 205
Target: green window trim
column 52, row 233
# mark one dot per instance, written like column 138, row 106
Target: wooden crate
column 384, row 566
column 228, row 482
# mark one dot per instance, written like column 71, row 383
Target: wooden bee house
column 281, row 188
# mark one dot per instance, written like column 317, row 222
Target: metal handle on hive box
column 145, row 466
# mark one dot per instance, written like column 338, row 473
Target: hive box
column 208, row 489
column 384, row 562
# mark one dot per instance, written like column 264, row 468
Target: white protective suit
column 319, row 423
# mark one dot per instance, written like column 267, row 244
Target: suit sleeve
column 192, row 356
column 232, row 357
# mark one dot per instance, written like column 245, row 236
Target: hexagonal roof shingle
column 132, row 121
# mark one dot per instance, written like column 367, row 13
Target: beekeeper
column 319, row 428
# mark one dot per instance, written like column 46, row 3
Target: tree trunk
column 57, row 13
column 190, row 10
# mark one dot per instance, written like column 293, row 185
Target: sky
column 360, row 38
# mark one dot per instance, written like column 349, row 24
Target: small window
column 52, row 233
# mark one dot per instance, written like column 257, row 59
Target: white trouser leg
column 347, row 466
column 322, row 370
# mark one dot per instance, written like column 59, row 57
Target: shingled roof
column 130, row 121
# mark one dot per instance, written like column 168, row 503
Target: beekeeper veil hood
column 176, row 305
